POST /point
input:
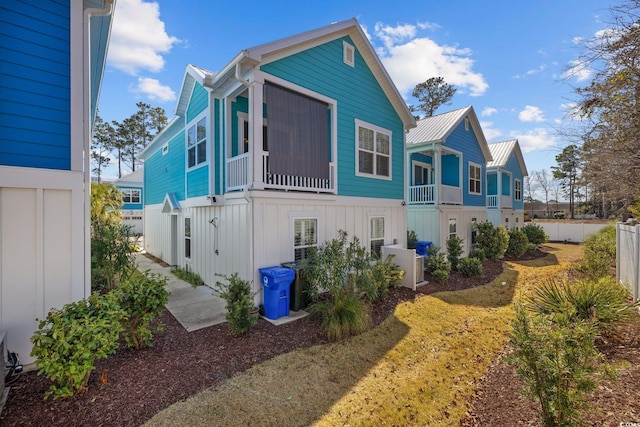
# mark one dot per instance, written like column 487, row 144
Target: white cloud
column 536, row 139
column 138, row 37
column 531, row 114
column 410, row 59
column 153, row 90
column 489, row 131
column 577, row 70
column 531, row 72
column 488, row 111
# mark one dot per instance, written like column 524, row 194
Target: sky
column 513, row 61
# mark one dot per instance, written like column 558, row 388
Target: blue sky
column 508, row 59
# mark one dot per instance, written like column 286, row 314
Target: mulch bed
column 131, row 386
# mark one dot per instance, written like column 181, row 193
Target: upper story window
column 517, row 189
column 130, row 195
column 197, row 143
column 373, row 151
column 475, row 179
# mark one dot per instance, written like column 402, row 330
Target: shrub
column 555, row 359
column 604, row 301
column 240, row 306
column 454, row 250
column 440, row 276
column 478, row 253
column 470, row 267
column 343, row 314
column 531, row 247
column 412, row 239
column 374, row 283
column 518, row 243
column 436, row 260
column 112, row 255
column 69, row 341
column 188, row 276
column 535, row 233
column 142, row 297
column 493, row 240
column 599, row 253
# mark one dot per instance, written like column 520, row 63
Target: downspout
column 87, row 130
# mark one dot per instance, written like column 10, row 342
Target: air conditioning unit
column 419, row 269
column 4, row 391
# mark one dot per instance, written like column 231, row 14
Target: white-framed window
column 243, row 134
column 517, row 226
column 130, row 195
column 453, row 227
column 197, row 143
column 475, row 178
column 348, row 54
column 474, row 230
column 187, row 238
column 376, row 235
column 305, row 237
column 517, row 189
column 373, row 150
column 421, row 173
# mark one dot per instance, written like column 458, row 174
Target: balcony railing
column 237, row 172
column 450, row 195
column 426, row 195
column 504, row 202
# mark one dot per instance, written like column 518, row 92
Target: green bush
column 112, row 255
column 555, row 359
column 470, row 267
column 142, row 297
column 478, row 253
column 343, row 314
column 531, row 247
column 518, row 243
column 374, row 283
column 240, row 306
column 188, row 276
column 440, row 276
column 436, row 260
column 599, row 253
column 69, row 341
column 412, row 239
column 492, row 240
column 535, row 233
column 603, row 302
column 454, row 250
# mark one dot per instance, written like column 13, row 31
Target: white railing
column 505, row 202
column 492, row 201
column 451, row 195
column 238, row 172
column 421, row 194
column 293, row 182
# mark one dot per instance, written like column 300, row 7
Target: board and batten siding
column 35, row 105
column 359, row 96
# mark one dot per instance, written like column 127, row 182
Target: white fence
column 565, row 232
column 628, row 257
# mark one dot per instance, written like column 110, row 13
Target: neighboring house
column 287, row 144
column 52, row 56
column 131, row 186
column 446, row 158
column 505, row 178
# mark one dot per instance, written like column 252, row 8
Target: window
column 377, row 235
column 517, row 189
column 130, row 196
column 474, row 230
column 453, row 227
column 187, row 238
column 517, row 226
column 243, row 137
column 348, row 54
column 421, row 173
column 197, row 143
column 373, row 150
column 475, row 178
column 305, row 237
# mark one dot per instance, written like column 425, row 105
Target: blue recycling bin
column 276, row 283
column 422, row 247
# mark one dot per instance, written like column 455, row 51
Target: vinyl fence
column 565, row 232
column 628, row 257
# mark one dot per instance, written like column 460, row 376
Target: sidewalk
column 193, row 307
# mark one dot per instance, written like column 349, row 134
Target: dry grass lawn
column 419, row 367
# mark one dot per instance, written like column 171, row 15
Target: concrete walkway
column 193, row 307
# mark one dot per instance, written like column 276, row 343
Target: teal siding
column 506, row 184
column 450, row 170
column 165, row 173
column 197, row 184
column 198, row 102
column 35, row 118
column 359, row 96
column 513, row 166
column 131, row 206
column 467, row 143
column 492, row 184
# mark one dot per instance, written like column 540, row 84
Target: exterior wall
column 165, row 173
column 359, row 96
column 36, row 82
column 513, row 166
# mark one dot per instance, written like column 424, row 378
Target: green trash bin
column 299, row 299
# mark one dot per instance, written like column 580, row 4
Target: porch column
column 437, row 173
column 256, row 97
column 499, row 192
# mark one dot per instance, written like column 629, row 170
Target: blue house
column 505, row 177
column 288, row 143
column 52, row 56
column 132, row 186
column 446, row 189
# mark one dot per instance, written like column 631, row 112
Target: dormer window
column 348, row 54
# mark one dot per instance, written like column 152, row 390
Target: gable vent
column 348, row 54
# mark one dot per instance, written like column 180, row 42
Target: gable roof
column 436, row 129
column 502, row 151
column 271, row 51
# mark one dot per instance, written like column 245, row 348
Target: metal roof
column 501, row 151
column 436, row 128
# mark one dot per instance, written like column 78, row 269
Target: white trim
column 187, row 259
column 194, row 122
column 348, row 54
column 514, row 189
column 293, row 217
column 242, row 118
column 370, row 216
column 376, row 129
column 476, row 165
column 455, row 219
column 423, row 165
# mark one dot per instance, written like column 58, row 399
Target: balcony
column 426, row 195
column 499, row 202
